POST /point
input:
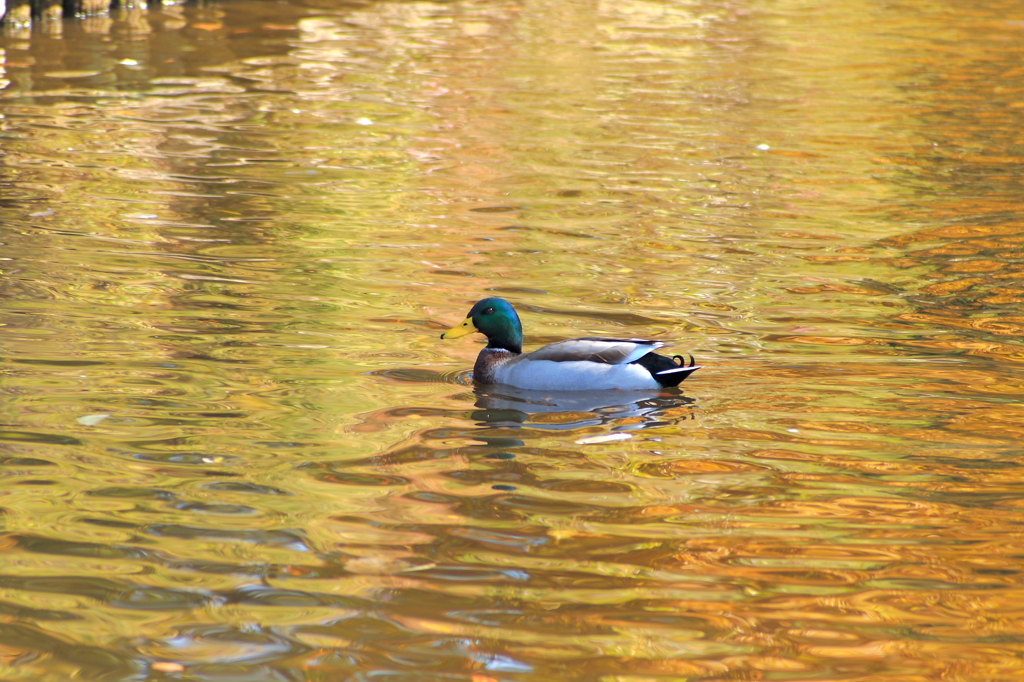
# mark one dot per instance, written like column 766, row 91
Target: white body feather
column 588, row 364
column 579, row 375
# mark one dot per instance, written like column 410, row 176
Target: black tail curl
column 665, row 370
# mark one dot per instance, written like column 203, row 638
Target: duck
column 585, row 364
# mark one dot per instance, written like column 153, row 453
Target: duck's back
column 595, row 349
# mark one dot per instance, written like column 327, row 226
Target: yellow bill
column 467, row 327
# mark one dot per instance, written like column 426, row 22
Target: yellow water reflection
column 233, row 447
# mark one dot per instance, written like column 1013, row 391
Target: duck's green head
column 497, row 320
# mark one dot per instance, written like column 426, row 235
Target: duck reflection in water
column 510, row 407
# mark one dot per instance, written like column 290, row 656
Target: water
column 234, row 448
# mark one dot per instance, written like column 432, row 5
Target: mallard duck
column 587, row 364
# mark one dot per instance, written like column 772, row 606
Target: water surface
column 234, row 448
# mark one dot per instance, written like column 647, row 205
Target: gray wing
column 595, row 349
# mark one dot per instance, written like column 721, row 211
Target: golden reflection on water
column 233, row 447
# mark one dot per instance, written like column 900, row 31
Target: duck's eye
column 488, row 311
